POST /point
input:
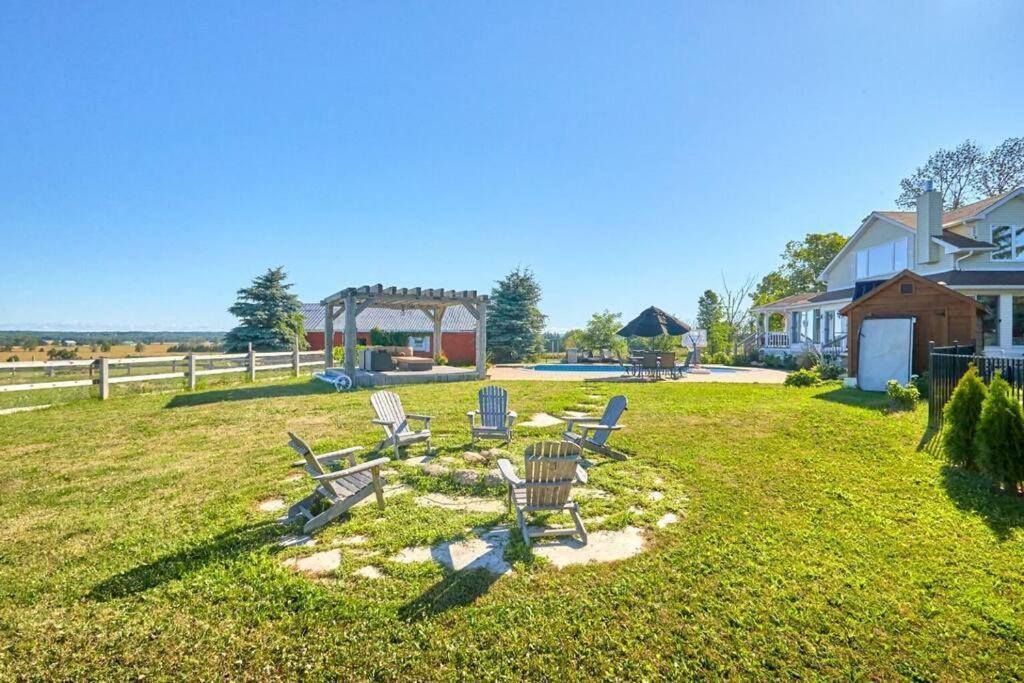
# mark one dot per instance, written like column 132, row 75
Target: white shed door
column 886, row 345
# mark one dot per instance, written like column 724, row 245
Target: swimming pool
column 567, row 367
column 578, row 368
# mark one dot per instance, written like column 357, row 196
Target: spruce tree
column 961, row 419
column 514, row 322
column 271, row 316
column 1000, row 437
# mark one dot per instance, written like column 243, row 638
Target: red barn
column 458, row 330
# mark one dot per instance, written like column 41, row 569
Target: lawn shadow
column 248, row 393
column 220, row 548
column 868, row 400
column 456, row 589
column 972, row 492
column 930, row 442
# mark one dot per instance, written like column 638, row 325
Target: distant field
column 85, row 352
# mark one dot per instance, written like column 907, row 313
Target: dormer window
column 884, row 259
column 1009, row 242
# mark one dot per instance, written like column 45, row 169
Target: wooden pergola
column 352, row 301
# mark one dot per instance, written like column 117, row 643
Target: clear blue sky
column 155, row 157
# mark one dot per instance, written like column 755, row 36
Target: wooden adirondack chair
column 593, row 433
column 392, row 418
column 495, row 417
column 551, row 469
column 341, row 489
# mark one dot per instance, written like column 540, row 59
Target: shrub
column 1000, row 436
column 830, row 370
column 802, row 378
column 805, row 360
column 442, row 359
column 902, row 397
column 922, row 382
column 961, row 418
column 62, row 354
column 718, row 358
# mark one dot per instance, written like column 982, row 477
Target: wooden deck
column 439, row 373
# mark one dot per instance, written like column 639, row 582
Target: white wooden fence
column 102, row 371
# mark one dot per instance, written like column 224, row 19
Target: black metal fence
column 947, row 364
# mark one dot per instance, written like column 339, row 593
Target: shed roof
column 908, row 275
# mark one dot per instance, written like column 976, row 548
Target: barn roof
column 456, row 319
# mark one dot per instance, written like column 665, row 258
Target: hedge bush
column 902, row 397
column 1000, row 436
column 802, row 378
column 961, row 419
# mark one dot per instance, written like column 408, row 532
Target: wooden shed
column 940, row 315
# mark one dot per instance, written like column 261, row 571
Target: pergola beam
column 352, row 301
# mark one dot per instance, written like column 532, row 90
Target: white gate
column 886, row 346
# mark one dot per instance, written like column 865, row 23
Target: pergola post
column 350, row 336
column 328, row 335
column 436, row 316
column 481, row 339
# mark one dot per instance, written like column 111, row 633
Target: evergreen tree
column 961, row 418
column 709, row 319
column 1000, row 437
column 271, row 315
column 514, row 322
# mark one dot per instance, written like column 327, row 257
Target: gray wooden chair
column 392, row 418
column 594, row 432
column 552, row 468
column 495, row 419
column 340, row 489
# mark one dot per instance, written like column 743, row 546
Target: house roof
column 954, row 216
column 979, row 278
column 907, row 275
column 456, row 319
column 908, row 220
column 805, row 299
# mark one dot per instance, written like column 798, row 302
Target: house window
column 990, row 320
column 419, row 343
column 1009, row 242
column 830, row 326
column 1018, row 321
column 817, row 324
column 794, row 328
column 883, row 259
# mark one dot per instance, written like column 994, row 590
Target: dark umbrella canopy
column 653, row 322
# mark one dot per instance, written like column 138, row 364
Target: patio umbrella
column 653, row 322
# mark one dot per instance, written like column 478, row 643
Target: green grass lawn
column 815, row 540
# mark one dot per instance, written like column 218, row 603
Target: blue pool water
column 613, row 368
column 579, row 368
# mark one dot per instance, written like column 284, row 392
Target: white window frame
column 1016, row 242
column 419, row 342
column 894, row 247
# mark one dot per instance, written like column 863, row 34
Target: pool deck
column 722, row 373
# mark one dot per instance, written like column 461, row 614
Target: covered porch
column 350, row 302
column 808, row 321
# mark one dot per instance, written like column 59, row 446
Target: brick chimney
column 929, row 225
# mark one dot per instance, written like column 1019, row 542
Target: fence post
column 295, row 356
column 252, row 364
column 104, row 379
column 931, row 382
column 191, row 372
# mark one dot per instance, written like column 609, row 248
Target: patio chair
column 667, row 363
column 551, row 469
column 649, row 363
column 340, row 489
column 495, row 417
column 392, row 418
column 594, row 433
